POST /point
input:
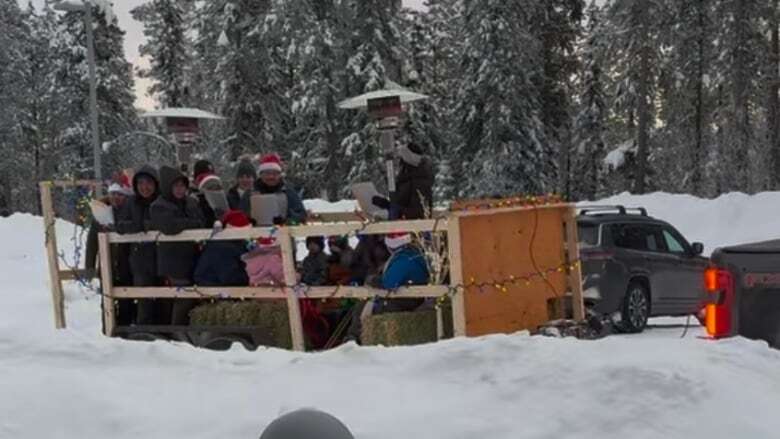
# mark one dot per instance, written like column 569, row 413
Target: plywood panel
column 506, row 252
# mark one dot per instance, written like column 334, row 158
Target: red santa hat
column 236, row 218
column 121, row 185
column 267, row 241
column 205, row 178
column 270, row 162
column 397, row 240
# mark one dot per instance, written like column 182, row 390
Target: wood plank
column 107, row 285
column 573, row 257
column 291, row 278
column 66, row 275
column 275, row 292
column 50, row 234
column 456, row 277
column 229, row 234
column 198, row 293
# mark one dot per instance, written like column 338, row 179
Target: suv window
column 672, row 243
column 638, row 237
column 588, row 234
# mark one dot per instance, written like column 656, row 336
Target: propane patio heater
column 385, row 107
column 184, row 128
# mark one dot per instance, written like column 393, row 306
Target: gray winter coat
column 315, row 269
column 134, row 218
column 175, row 260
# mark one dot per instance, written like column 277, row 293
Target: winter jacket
column 220, row 264
column 315, row 269
column 240, row 202
column 407, row 266
column 264, row 266
column 175, row 260
column 120, row 253
column 370, row 257
column 208, row 214
column 133, row 218
column 339, row 264
column 414, row 191
column 296, row 212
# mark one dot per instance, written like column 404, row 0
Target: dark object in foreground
column 306, row 424
column 744, row 287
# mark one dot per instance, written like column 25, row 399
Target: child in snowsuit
column 315, row 265
column 340, row 261
column 264, row 263
column 220, row 263
column 172, row 213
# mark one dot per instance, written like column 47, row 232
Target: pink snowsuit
column 264, row 266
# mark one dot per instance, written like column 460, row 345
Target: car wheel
column 636, row 309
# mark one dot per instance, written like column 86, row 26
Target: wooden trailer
column 510, row 265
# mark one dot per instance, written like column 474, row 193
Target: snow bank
column 729, row 219
column 75, row 383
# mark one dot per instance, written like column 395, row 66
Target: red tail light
column 720, row 284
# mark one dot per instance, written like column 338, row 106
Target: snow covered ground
column 78, row 384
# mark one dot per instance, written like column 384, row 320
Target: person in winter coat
column 315, row 264
column 264, row 263
column 239, row 196
column 340, row 260
column 220, row 263
column 118, row 194
column 413, row 197
column 271, row 182
column 205, row 178
column 172, row 213
column 406, row 266
column 134, row 217
column 369, row 260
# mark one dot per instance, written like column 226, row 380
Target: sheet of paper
column 102, row 213
column 266, row 207
column 364, row 193
column 217, row 201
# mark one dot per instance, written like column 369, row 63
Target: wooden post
column 573, row 257
column 107, row 285
column 456, row 277
column 439, row 323
column 50, row 235
column 290, row 278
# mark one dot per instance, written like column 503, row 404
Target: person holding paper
column 271, row 182
column 206, row 179
column 413, row 197
column 118, row 193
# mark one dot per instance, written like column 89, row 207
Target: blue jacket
column 220, row 265
column 407, row 266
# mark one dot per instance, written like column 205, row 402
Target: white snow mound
column 78, row 384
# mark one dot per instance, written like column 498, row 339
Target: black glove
column 278, row 221
column 380, row 202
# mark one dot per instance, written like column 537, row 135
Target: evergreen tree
column 168, row 48
column 502, row 139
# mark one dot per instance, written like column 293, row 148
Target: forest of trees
column 527, row 96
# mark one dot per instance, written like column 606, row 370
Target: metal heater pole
column 387, row 140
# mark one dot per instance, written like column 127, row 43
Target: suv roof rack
column 622, row 210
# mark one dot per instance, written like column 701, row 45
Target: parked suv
column 635, row 266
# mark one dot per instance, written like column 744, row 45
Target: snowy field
column 78, row 384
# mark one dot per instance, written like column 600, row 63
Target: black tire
column 636, row 309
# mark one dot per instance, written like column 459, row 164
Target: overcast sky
column 135, row 37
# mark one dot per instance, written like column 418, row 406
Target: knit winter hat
column 411, row 154
column 270, row 162
column 236, row 218
column 202, row 167
column 245, row 167
column 397, row 240
column 208, row 180
column 121, row 185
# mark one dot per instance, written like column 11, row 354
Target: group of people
column 166, row 201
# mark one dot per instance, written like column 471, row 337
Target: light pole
column 85, row 7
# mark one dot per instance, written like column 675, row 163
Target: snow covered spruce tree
column 14, row 42
column 502, row 147
column 586, row 174
column 634, row 29
column 115, row 97
column 168, row 48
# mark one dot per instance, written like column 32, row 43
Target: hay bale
column 267, row 321
column 405, row 328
